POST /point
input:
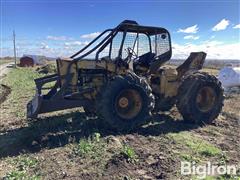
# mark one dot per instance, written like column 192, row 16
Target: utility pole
column 14, row 48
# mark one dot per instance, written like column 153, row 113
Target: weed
column 25, row 162
column 96, row 137
column 92, row 147
column 15, row 175
column 129, row 153
column 20, row 175
column 23, row 165
column 84, row 146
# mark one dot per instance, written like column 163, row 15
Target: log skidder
column 122, row 77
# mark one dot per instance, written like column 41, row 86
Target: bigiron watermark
column 208, row 169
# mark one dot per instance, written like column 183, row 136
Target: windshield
column 138, row 42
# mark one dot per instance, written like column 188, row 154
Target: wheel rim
column 205, row 99
column 128, row 104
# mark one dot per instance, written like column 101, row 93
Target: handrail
column 89, row 44
column 97, row 46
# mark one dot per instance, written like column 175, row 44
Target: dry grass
column 3, row 61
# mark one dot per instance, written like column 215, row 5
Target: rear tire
column 125, row 102
column 200, row 98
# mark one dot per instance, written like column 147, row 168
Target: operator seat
column 145, row 59
column 143, row 62
column 151, row 62
column 158, row 61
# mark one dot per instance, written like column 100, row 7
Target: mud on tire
column 200, row 98
column 125, row 102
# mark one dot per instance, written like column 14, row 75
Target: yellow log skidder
column 121, row 76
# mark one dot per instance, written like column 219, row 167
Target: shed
column 31, row 60
column 26, row 61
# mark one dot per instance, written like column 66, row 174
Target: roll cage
column 125, row 27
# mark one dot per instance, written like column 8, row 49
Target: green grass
column 21, row 81
column 196, row 149
column 129, row 153
column 23, row 166
column 93, row 147
column 85, row 146
column 25, row 162
column 222, row 177
column 21, row 175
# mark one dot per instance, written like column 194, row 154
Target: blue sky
column 59, row 28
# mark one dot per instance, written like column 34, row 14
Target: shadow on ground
column 56, row 131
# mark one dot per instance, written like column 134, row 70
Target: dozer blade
column 56, row 99
column 33, row 106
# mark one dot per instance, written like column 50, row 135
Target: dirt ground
column 4, row 92
column 4, row 68
column 65, row 145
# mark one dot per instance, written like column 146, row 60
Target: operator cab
column 130, row 44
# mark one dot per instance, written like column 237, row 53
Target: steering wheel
column 131, row 54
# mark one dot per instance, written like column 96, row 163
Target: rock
column 147, row 177
column 151, row 160
column 114, row 141
column 64, row 174
column 130, row 137
column 141, row 172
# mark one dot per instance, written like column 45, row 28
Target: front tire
column 200, row 98
column 125, row 102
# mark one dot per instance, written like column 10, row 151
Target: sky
column 60, row 28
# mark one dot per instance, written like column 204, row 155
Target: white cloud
column 214, row 50
column 191, row 29
column 44, row 46
column 212, row 43
column 76, row 43
column 73, row 43
column 191, row 37
column 58, row 38
column 236, row 26
column 90, row 36
column 223, row 24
